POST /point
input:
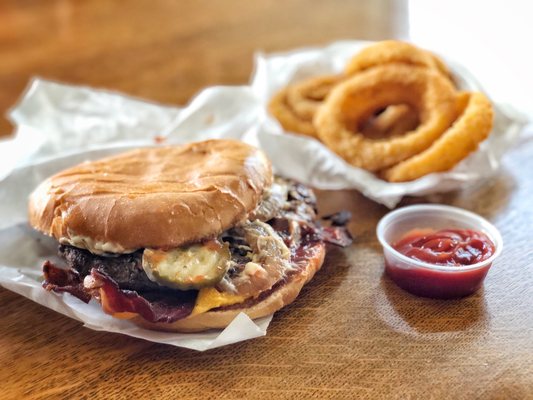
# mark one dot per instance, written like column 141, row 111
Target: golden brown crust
column 152, row 197
column 307, row 96
column 295, row 105
column 394, row 51
column 469, row 130
column 275, row 301
column 287, row 117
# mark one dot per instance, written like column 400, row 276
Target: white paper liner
column 60, row 125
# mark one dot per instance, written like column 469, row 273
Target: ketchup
column 453, row 248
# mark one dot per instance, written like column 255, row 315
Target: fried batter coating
column 394, row 51
column 280, row 108
column 471, row 128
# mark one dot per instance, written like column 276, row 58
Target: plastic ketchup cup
column 426, row 279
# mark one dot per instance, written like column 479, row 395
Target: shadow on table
column 414, row 314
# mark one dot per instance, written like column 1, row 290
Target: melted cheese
column 209, row 298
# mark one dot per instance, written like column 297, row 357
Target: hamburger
column 182, row 238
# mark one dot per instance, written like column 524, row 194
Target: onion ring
column 423, row 89
column 471, row 128
column 394, row 51
column 305, row 97
column 280, row 108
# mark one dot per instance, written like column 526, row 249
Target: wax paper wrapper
column 58, row 126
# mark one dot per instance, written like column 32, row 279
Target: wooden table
column 352, row 333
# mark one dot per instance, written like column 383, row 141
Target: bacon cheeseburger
column 182, row 238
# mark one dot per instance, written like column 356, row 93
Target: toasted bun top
column 160, row 197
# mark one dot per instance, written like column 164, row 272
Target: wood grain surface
column 351, row 334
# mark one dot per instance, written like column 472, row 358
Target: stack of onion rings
column 394, row 111
column 427, row 91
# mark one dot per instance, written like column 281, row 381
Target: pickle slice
column 191, row 267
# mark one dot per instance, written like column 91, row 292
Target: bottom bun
column 276, row 300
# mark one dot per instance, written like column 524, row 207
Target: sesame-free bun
column 277, row 299
column 160, row 197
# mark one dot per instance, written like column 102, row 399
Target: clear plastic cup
column 430, row 280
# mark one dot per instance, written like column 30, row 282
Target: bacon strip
column 336, row 235
column 152, row 306
column 64, row 281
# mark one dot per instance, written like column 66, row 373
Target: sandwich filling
column 241, row 266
